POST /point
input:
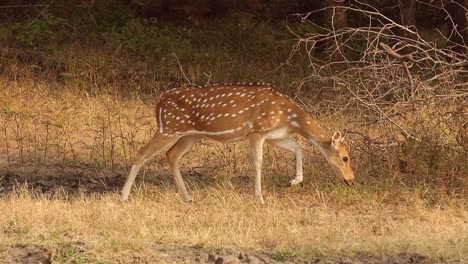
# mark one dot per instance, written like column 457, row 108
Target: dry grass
column 303, row 223
column 42, row 127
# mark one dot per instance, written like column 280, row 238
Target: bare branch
column 181, row 69
column 376, row 65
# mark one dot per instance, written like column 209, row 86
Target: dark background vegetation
column 242, row 40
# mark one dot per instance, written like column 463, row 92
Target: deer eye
column 345, row 159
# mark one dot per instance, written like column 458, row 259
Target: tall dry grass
column 43, row 127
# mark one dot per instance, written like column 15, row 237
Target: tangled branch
column 402, row 86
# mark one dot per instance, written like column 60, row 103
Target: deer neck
column 312, row 131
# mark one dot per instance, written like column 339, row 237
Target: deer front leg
column 174, row 155
column 291, row 145
column 256, row 147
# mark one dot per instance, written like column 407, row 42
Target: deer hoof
column 296, row 181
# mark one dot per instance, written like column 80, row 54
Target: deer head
column 337, row 155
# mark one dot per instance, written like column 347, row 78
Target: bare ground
column 171, row 253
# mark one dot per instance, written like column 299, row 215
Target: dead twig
column 403, row 60
column 182, row 70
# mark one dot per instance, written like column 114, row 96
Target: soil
column 178, row 254
column 169, row 253
column 27, row 255
column 76, row 180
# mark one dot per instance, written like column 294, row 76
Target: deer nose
column 349, row 182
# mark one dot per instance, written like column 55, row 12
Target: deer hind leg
column 156, row 144
column 256, row 148
column 291, row 145
column 174, row 155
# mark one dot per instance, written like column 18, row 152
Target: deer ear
column 345, row 132
column 336, row 138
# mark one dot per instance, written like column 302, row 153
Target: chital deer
column 230, row 113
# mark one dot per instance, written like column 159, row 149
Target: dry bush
column 405, row 98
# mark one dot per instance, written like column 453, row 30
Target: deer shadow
column 53, row 180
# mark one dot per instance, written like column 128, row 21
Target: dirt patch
column 177, row 254
column 172, row 253
column 404, row 258
column 27, row 255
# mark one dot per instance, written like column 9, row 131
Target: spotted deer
column 236, row 112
